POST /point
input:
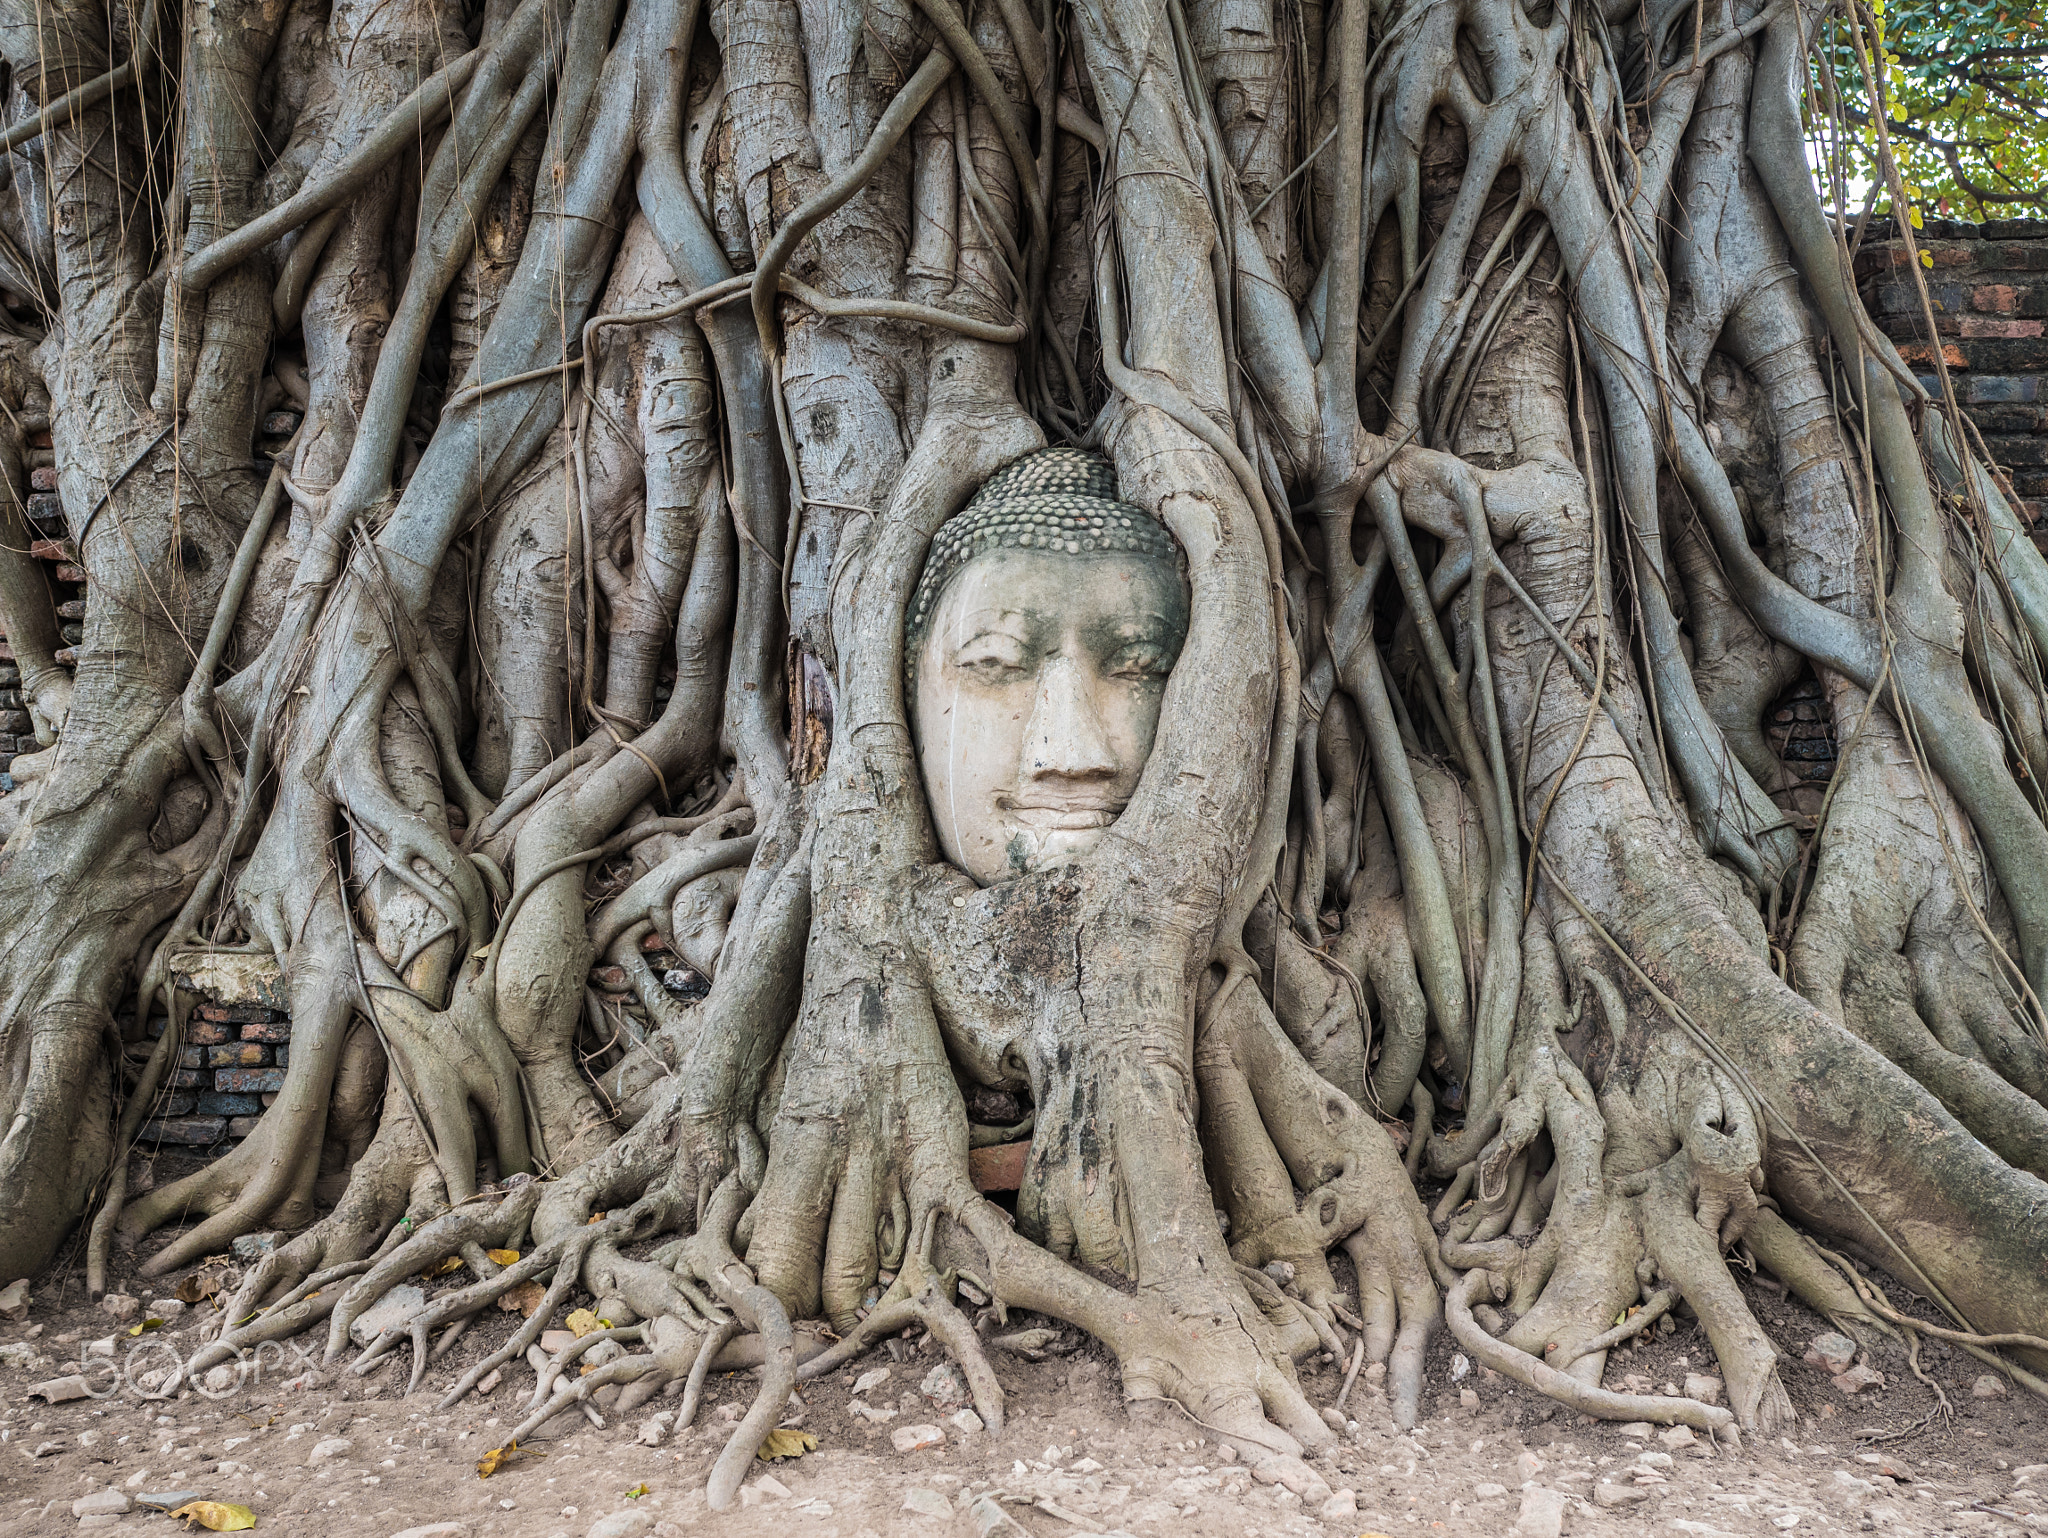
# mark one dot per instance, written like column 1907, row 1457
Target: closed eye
column 991, row 657
column 1141, row 662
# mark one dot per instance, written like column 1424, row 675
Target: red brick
column 206, row 1033
column 1973, row 326
column 1920, row 352
column 1000, row 1168
column 43, row 478
column 69, row 573
column 1994, row 299
column 238, row 1054
column 51, row 549
column 267, row 1030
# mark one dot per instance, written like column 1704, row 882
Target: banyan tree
column 1192, row 584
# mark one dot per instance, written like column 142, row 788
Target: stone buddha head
column 1037, row 649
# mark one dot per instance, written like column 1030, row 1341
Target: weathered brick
column 205, row 1033
column 2015, row 256
column 238, row 1054
column 248, row 1081
column 1993, row 299
column 1976, row 326
column 2003, row 388
column 2009, row 355
column 2018, row 451
column 176, row 1105
column 239, row 1014
column 192, row 1078
column 68, row 572
column 2014, row 229
column 242, row 1126
column 214, row 1103
column 192, row 1057
column 1920, row 352
column 267, row 1030
column 232, row 977
column 284, row 1054
column 16, row 721
column 2010, row 419
column 43, row 478
column 198, row 1131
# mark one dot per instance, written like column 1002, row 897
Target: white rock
column 910, row 1439
column 1618, row 1495
column 653, row 1429
column 1654, row 1460
column 1084, row 1466
column 1488, row 1491
column 1831, row 1353
column 1704, row 1387
column 14, row 1300
column 928, row 1503
column 1542, row 1514
column 625, row 1524
column 433, row 1530
column 1342, row 1506
column 552, row 1341
column 119, row 1306
column 61, row 1390
column 165, row 1309
column 1678, row 1436
column 868, row 1380
column 966, row 1422
column 220, row 1379
column 488, row 1384
column 104, row 1346
column 101, row 1503
column 868, row 1412
column 1988, row 1387
column 330, row 1448
column 768, row 1484
column 1857, row 1379
column 1642, row 1431
column 394, row 1308
column 946, row 1386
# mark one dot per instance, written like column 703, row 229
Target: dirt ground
column 1071, row 1460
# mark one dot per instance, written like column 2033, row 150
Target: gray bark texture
column 1500, row 377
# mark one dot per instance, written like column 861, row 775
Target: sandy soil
column 1071, row 1460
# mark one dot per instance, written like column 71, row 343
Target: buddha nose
column 1065, row 736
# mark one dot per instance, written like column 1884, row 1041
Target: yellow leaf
column 1913, row 218
column 498, row 1457
column 1926, row 258
column 637, row 1491
column 216, row 1516
column 581, row 1323
column 452, row 1263
column 146, row 1327
column 502, row 1257
column 784, row 1442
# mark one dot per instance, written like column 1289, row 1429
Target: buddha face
column 1038, row 684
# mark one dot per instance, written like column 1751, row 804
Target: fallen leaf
column 524, row 1299
column 147, row 1326
column 452, row 1263
column 216, row 1516
column 502, row 1257
column 498, row 1457
column 198, row 1287
column 784, row 1442
column 597, row 1217
column 637, row 1491
column 581, row 1323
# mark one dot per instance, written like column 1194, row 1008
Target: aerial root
column 1533, row 1373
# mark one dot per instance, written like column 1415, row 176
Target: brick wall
column 67, row 592
column 1989, row 287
